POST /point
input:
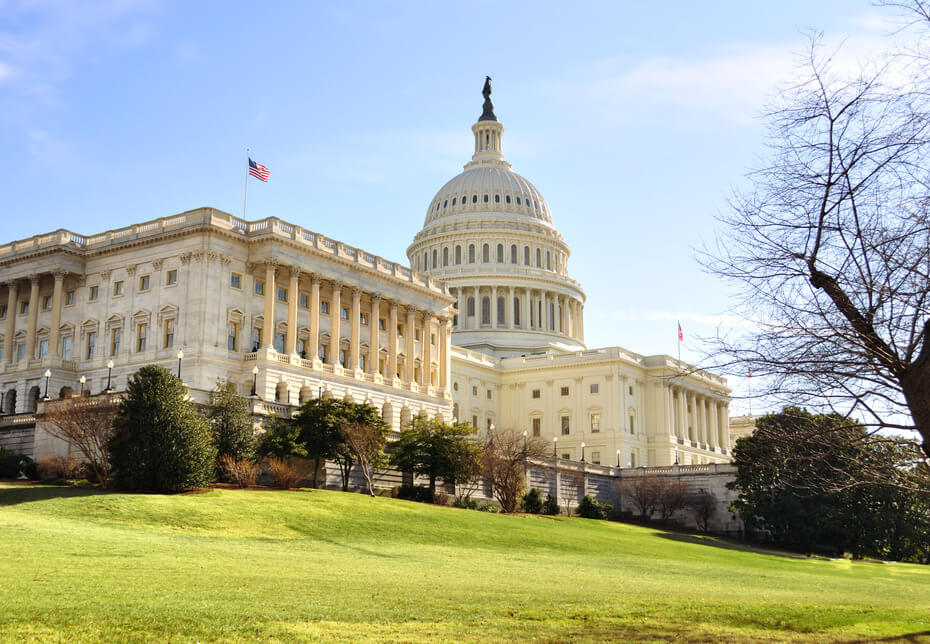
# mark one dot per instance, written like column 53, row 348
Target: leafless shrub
column 284, row 474
column 87, row 425
column 242, row 473
column 503, row 463
column 702, row 505
column 58, row 467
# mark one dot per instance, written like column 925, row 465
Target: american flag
column 258, row 171
column 681, row 335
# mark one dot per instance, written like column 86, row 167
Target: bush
column 415, row 493
column 58, row 468
column 242, row 473
column 532, row 502
column 465, row 502
column 91, row 472
column 551, row 506
column 160, row 443
column 13, row 465
column 591, row 508
column 489, row 507
column 441, row 498
column 284, row 474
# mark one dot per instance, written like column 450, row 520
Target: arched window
column 464, row 199
column 445, row 256
column 548, row 261
column 458, row 254
column 474, row 198
column 516, row 311
column 485, row 199
column 507, row 198
column 485, row 310
column 425, row 262
column 445, row 203
column 538, row 258
column 471, row 307
column 485, row 253
column 497, row 198
column 453, row 201
column 471, row 253
column 500, row 253
column 513, row 253
column 518, row 203
column 526, row 255
column 501, row 303
column 435, row 258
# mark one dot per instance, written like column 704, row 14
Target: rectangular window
column 304, row 301
column 432, row 338
column 633, row 458
column 169, row 334
column 93, row 293
column 632, row 431
column 321, row 353
column 400, row 330
column 145, row 282
column 43, row 348
column 279, row 342
column 342, row 358
column 537, row 426
column 142, row 332
column 474, row 421
column 66, row 343
column 3, row 310
column 382, row 325
column 596, row 458
column 118, row 288
column 114, row 341
column 259, row 287
column 631, row 390
column 235, row 280
column 256, row 338
column 69, row 298
column 474, row 390
column 416, row 334
column 489, row 394
column 24, row 308
column 363, row 319
column 282, row 294
column 595, row 423
column 91, row 344
column 344, row 314
column 564, row 391
column 172, row 277
column 566, row 456
column 595, row 388
column 536, row 393
column 47, row 302
column 20, row 352
column 232, row 336
column 566, row 428
column 324, row 307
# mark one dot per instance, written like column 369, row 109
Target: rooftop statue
column 488, row 113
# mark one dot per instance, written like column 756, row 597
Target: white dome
column 488, row 189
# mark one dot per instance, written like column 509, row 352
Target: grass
column 80, row 565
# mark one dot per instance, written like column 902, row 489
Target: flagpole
column 245, row 196
column 679, row 344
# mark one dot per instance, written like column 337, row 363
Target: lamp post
column 109, row 374
column 254, row 380
column 83, row 380
column 555, row 441
column 676, row 457
column 180, row 355
column 524, row 441
column 48, row 374
column 618, row 458
column 582, row 452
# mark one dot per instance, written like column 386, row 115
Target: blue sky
column 634, row 120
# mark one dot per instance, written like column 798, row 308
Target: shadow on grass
column 727, row 544
column 317, row 537
column 917, row 638
column 17, row 493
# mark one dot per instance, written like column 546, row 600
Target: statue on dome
column 488, row 113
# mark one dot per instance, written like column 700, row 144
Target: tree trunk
column 916, row 388
column 432, row 485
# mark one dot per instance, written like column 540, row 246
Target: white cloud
column 727, row 321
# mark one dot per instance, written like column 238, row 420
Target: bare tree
column 86, row 424
column 702, row 505
column 570, row 486
column 670, row 496
column 503, row 462
column 366, row 442
column 643, row 493
column 831, row 247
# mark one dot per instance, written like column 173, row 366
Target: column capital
column 131, row 270
column 393, row 306
column 315, row 279
column 356, row 292
column 270, row 261
column 375, row 297
column 60, row 275
column 35, row 277
column 293, row 272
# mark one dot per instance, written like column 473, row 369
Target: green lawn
column 79, row 565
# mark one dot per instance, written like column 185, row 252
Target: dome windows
column 458, row 254
column 471, row 253
column 526, row 255
column 453, row 201
column 500, row 253
column 485, row 198
column 445, row 203
column 497, row 198
column 513, row 253
column 518, row 203
column 474, row 198
column 445, row 256
column 507, row 198
column 485, row 254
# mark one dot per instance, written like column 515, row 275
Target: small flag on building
column 681, row 335
column 750, row 372
column 258, row 171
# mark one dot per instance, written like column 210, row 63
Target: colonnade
column 523, row 308
column 697, row 417
column 432, row 357
column 32, row 315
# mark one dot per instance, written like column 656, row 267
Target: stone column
column 268, row 330
column 493, row 307
column 374, row 339
column 356, row 341
column 392, row 342
column 547, row 322
column 409, row 345
column 444, row 339
column 525, row 322
column 56, row 314
column 427, row 345
column 723, row 420
column 714, row 422
column 508, row 308
column 335, row 323
column 580, row 322
column 33, row 316
column 314, row 350
column 11, row 302
column 290, row 341
column 477, row 295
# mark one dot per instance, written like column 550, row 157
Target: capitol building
column 485, row 325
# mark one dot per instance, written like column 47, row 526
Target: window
column 43, row 348
column 631, row 390
column 485, row 199
column 115, row 336
column 20, row 351
column 432, row 338
column 303, row 300
column 400, row 330
column 69, row 298
column 537, row 426
column 344, row 314
column 66, row 343
column 279, row 342
column 91, row 344
column 565, row 455
column 23, row 308
column 445, row 255
column 470, row 307
column 633, row 458
column 632, row 431
column 564, row 391
column 282, row 294
column 485, row 254
column 47, row 302
column 416, row 334
column 507, row 198
column 435, row 255
column 497, row 198
column 538, row 259
column 169, row 333
column 489, row 394
column 513, row 254
column 232, row 336
column 536, row 393
column 458, row 254
column 474, row 390
column 172, row 277
column 322, row 352
column 142, row 333
column 516, row 311
column 501, row 304
column 118, row 288
column 259, row 287
column 324, row 307
column 93, row 292
column 363, row 318
column 145, row 282
column 595, row 388
column 342, row 358
column 565, row 423
column 485, row 310
column 519, row 201
column 474, row 421
column 3, row 310
column 474, row 199
column 596, row 458
column 526, row 255
column 235, row 280
column 382, row 324
column 595, row 422
column 256, row 338
column 471, row 253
